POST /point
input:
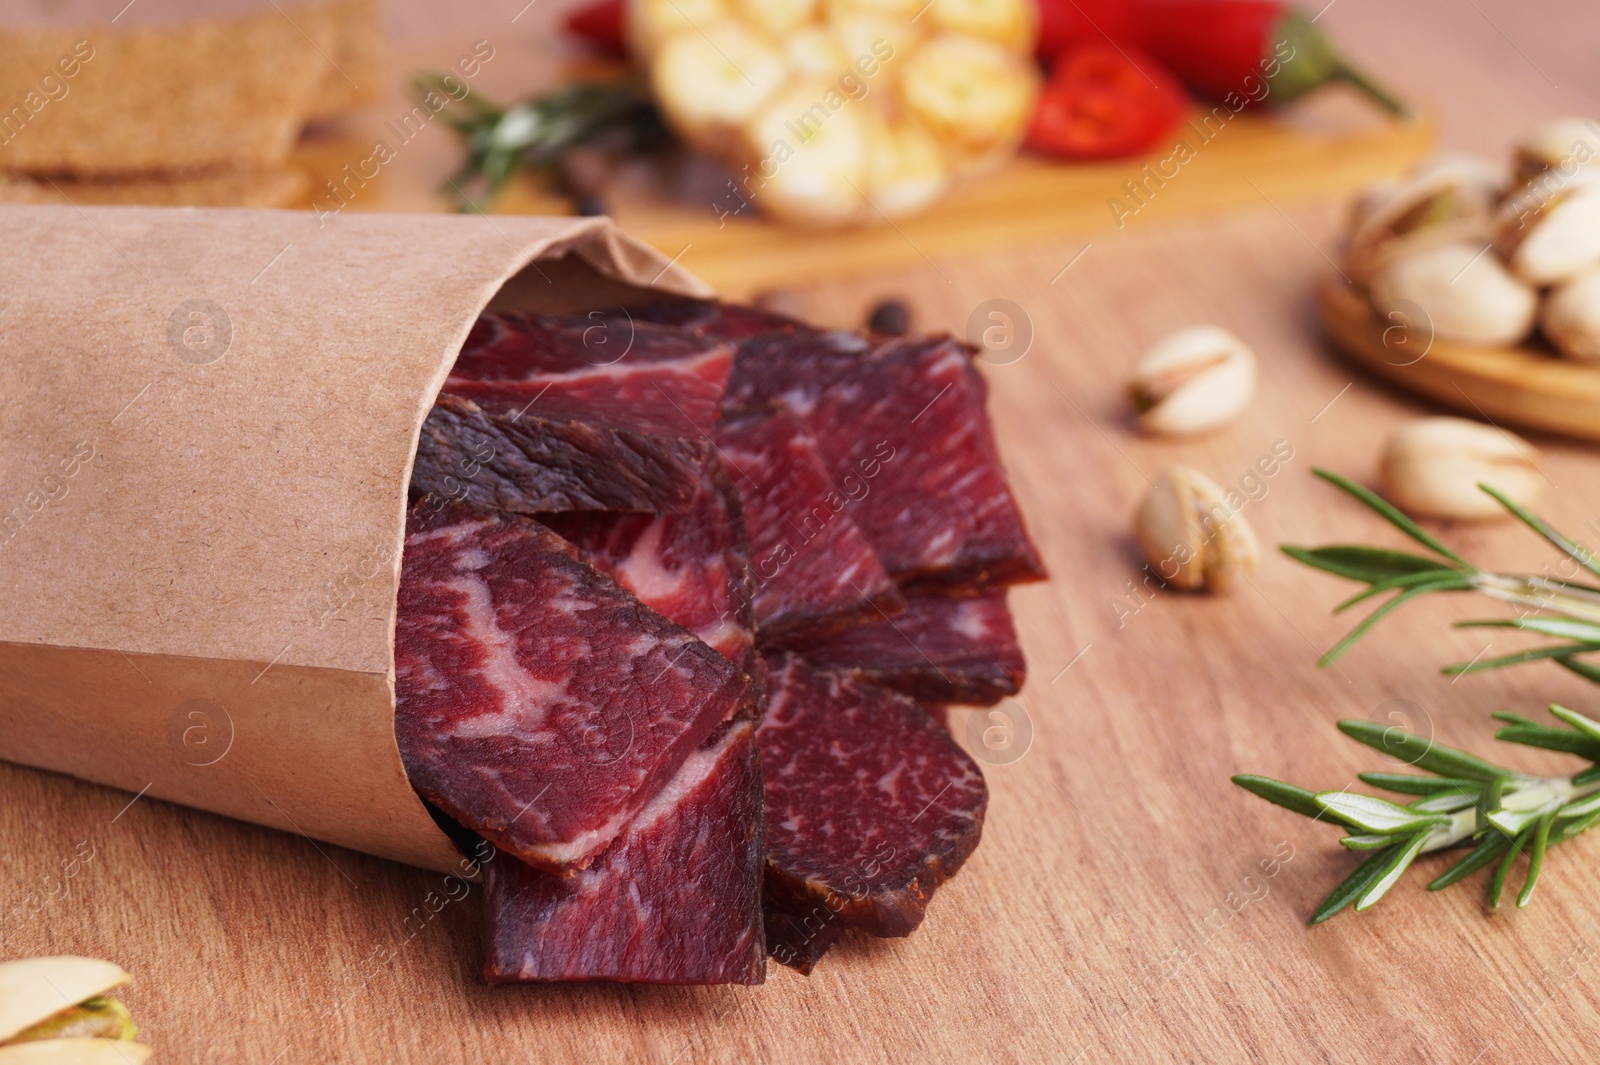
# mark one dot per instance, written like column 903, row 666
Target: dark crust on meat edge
column 886, row 913
column 530, row 465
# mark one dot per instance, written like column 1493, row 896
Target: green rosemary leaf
column 1498, row 884
column 1452, row 584
column 1571, row 548
column 1588, row 726
column 1487, row 850
column 1353, row 885
column 1392, row 872
column 1588, row 776
column 1582, row 669
column 1410, row 784
column 1438, row 579
column 1565, row 830
column 1551, row 739
column 1421, row 753
column 1299, row 800
column 1534, row 655
column 1514, row 719
column 1580, row 808
column 1561, row 628
column 1391, row 514
column 1512, row 822
column 1489, row 802
column 1447, row 802
column 1368, row 564
column 1541, row 841
column 1376, row 815
column 1367, row 842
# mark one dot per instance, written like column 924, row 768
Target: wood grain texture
column 1093, row 921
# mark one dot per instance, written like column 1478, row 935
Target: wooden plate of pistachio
column 1483, row 291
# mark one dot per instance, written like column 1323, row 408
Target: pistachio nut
column 34, row 989
column 1190, row 534
column 1563, row 145
column 1192, row 380
column 75, row 1051
column 1465, row 292
column 1550, row 231
column 1448, row 199
column 1432, row 467
column 1571, row 316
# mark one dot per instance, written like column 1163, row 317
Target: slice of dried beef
column 530, row 465
column 940, row 650
column 604, row 367
column 814, row 569
column 870, row 804
column 800, row 937
column 537, row 701
column 710, row 318
column 905, row 417
column 675, row 900
column 693, row 567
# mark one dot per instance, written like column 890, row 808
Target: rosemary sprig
column 1564, row 610
column 539, row 133
column 1499, row 812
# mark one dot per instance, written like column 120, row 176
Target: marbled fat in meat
column 538, row 702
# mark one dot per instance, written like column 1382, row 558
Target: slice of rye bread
column 279, row 187
column 207, row 95
column 355, row 76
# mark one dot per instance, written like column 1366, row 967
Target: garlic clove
column 1010, row 23
column 1551, row 230
column 1564, row 145
column 1432, row 468
column 1571, row 316
column 1193, row 380
column 822, row 178
column 1190, row 535
column 907, row 171
column 649, row 22
column 713, row 80
column 778, row 18
column 968, row 92
column 1465, row 292
column 34, row 989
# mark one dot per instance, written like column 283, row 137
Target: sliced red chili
column 1104, row 102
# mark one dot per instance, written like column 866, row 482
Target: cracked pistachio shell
column 1551, row 230
column 1448, row 198
column 1432, row 468
column 75, row 1051
column 1465, row 292
column 1190, row 535
column 1571, row 316
column 1193, row 380
column 1562, row 144
column 34, row 989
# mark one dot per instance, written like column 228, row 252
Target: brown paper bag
column 207, row 424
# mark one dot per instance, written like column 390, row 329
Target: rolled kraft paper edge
column 171, row 629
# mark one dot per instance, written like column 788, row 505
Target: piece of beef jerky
column 675, row 900
column 693, row 567
column 870, row 804
column 814, row 570
column 940, row 650
column 530, row 465
column 537, row 701
column 904, row 417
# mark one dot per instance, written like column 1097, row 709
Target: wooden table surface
column 1117, row 910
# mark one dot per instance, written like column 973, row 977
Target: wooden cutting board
column 1528, row 387
column 1248, row 160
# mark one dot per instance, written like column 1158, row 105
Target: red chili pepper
column 1248, row 52
column 1066, row 24
column 1102, row 101
column 602, row 23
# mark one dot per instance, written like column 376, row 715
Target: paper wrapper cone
column 207, row 425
